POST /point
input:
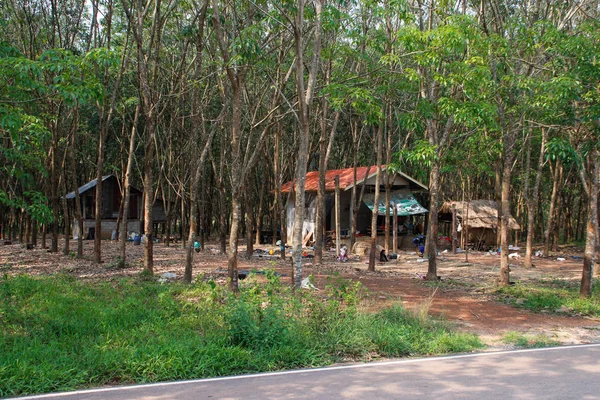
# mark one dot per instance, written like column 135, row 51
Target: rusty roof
column 346, row 178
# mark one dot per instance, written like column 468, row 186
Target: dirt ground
column 464, row 298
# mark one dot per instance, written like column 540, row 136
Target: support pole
column 454, row 233
column 395, row 227
column 337, row 215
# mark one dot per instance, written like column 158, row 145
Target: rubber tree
column 245, row 144
column 443, row 108
column 305, row 89
column 146, row 21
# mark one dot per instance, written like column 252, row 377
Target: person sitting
column 382, row 255
column 343, row 256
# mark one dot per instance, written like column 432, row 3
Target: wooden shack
column 477, row 217
column 111, row 202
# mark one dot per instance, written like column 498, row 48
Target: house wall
column 363, row 219
column 108, row 225
column 489, row 236
column 310, row 213
column 158, row 211
column 345, row 198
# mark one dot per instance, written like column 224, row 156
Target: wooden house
column 111, row 201
column 406, row 194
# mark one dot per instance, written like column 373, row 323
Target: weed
column 553, row 296
column 521, row 340
column 59, row 334
column 421, row 311
column 146, row 275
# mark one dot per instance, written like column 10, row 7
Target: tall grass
column 60, row 334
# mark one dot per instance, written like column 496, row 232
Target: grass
column 554, row 296
column 57, row 333
column 521, row 340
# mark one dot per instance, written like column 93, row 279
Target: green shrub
column 60, row 334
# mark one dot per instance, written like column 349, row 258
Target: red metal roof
column 346, row 179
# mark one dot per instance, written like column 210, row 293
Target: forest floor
column 466, row 295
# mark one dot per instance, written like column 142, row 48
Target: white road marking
column 306, row 371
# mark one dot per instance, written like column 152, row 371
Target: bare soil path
column 463, row 298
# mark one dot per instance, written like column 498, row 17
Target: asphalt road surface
column 553, row 373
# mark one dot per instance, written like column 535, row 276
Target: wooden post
column 337, row 215
column 395, row 227
column 466, row 232
column 454, row 233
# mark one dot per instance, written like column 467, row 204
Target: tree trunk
column 556, row 228
column 509, row 143
column 591, row 231
column 372, row 254
column 498, row 191
column 299, row 203
column 27, row 223
column 259, row 215
column 44, row 236
column 222, row 223
column 236, row 209
column 432, row 229
column 127, row 189
column 54, row 199
column 552, row 211
column 320, row 215
column 78, row 211
column 387, row 218
column 34, row 233
column 305, row 94
column 99, row 212
column 532, row 201
column 249, row 224
column 149, row 199
column 353, row 204
column 66, row 218
column 189, row 249
column 338, row 213
column 454, row 233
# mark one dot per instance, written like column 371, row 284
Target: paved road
column 554, row 373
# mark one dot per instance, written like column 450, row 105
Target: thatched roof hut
column 481, row 214
column 481, row 222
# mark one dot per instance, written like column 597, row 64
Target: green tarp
column 404, row 200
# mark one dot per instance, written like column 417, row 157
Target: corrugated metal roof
column 90, row 185
column 346, row 179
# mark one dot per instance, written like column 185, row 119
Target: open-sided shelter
column 406, row 194
column 477, row 217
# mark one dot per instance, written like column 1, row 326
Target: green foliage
column 553, row 297
column 58, row 77
column 60, row 334
column 521, row 340
column 558, row 148
column 422, row 153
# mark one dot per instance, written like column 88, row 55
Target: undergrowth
column 553, row 296
column 524, row 341
column 59, row 334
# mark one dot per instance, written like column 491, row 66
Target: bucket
column 137, row 239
